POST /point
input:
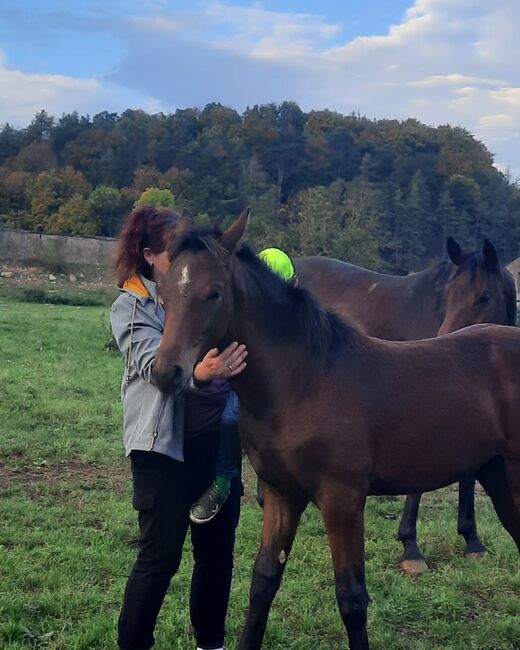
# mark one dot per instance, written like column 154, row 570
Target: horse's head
column 198, row 298
column 480, row 289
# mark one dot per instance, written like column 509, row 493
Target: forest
column 384, row 194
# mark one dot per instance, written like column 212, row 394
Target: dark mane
column 324, row 332
column 472, row 263
column 439, row 273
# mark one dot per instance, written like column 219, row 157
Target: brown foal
column 330, row 415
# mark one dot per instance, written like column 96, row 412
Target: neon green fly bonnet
column 278, row 261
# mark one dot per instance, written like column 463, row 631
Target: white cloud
column 446, row 62
column 454, row 79
column 24, row 94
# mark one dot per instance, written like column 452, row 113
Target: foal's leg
column 281, row 518
column 467, row 526
column 344, row 521
column 502, row 483
column 413, row 561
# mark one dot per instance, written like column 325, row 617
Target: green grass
column 62, row 296
column 67, row 528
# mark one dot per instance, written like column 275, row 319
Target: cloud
column 237, row 56
column 24, row 94
column 445, row 62
column 454, row 79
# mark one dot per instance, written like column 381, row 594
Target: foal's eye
column 484, row 298
column 214, row 296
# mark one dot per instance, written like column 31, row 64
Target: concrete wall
column 24, row 246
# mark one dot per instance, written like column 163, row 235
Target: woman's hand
column 221, row 365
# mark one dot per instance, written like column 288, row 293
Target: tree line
column 381, row 193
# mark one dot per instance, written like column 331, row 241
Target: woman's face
column 159, row 263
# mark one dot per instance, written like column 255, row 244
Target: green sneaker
column 208, row 505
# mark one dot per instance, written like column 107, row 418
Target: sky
column 440, row 61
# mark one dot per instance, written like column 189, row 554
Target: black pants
column 164, row 491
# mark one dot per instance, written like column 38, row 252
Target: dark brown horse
column 330, row 415
column 468, row 288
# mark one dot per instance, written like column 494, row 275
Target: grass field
column 67, row 530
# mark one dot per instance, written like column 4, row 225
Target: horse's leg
column 502, row 483
column 413, row 562
column 467, row 526
column 281, row 518
column 344, row 521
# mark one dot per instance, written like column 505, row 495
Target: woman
column 172, row 440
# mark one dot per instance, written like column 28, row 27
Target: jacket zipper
column 156, row 428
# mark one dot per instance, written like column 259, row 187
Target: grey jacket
column 152, row 420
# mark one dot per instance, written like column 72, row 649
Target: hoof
column 414, row 568
column 475, row 556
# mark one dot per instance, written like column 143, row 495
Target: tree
column 36, row 157
column 51, row 189
column 10, row 142
column 15, row 201
column 105, row 204
column 311, row 217
column 421, row 180
column 156, row 197
column 74, row 218
column 445, row 215
column 40, row 128
column 415, row 235
column 465, row 194
column 358, row 237
column 338, row 221
column 146, row 176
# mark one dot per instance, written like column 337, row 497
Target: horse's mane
column 441, row 272
column 324, row 332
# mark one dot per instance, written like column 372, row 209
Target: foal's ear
column 455, row 252
column 490, row 255
column 235, row 232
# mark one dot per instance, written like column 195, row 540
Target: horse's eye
column 214, row 296
column 484, row 298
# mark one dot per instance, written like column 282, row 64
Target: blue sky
column 441, row 61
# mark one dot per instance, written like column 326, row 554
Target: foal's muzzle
column 167, row 377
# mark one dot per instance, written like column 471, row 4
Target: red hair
column 145, row 227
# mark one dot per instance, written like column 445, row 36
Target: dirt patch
column 73, row 470
column 81, row 278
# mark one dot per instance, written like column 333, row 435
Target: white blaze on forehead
column 185, row 278
column 372, row 287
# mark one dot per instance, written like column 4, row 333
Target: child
column 209, row 504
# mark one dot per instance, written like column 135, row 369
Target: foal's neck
column 290, row 339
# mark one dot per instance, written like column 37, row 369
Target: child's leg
column 226, row 466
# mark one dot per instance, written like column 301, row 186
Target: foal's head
column 480, row 290
column 198, row 298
